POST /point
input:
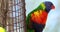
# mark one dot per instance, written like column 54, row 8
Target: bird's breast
column 39, row 17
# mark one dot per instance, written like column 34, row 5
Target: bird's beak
column 53, row 7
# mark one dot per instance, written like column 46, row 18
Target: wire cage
column 12, row 15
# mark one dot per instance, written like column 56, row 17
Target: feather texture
column 39, row 17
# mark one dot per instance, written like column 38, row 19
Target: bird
column 2, row 29
column 36, row 19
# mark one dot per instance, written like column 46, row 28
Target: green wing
column 27, row 23
column 28, row 19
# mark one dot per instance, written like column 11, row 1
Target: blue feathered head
column 49, row 5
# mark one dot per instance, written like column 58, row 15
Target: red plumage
column 41, row 18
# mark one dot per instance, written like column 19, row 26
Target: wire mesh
column 12, row 14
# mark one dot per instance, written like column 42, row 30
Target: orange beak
column 53, row 7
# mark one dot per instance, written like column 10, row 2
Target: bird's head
column 47, row 6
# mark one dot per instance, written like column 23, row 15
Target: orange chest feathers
column 39, row 17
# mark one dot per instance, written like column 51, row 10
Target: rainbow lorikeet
column 36, row 19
